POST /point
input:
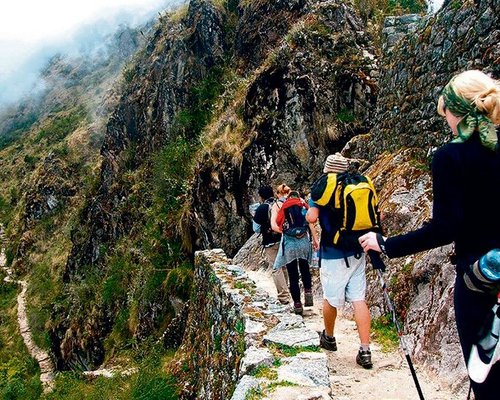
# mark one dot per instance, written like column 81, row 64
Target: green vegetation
column 129, row 73
column 151, row 382
column 4, row 209
column 179, row 281
column 263, row 371
column 39, row 311
column 172, row 169
column 346, row 115
column 373, row 13
column 262, row 392
column 19, row 373
column 20, row 126
column 248, row 286
column 385, row 333
column 62, row 125
column 288, row 351
column 254, row 394
column 376, row 10
column 189, row 122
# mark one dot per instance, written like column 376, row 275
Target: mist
column 21, row 61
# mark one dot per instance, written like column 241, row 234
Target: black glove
column 376, row 260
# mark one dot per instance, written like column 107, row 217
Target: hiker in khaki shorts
column 342, row 274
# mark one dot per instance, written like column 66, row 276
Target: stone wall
column 396, row 28
column 238, row 340
column 462, row 35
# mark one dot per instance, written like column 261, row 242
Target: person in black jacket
column 466, row 189
column 271, row 241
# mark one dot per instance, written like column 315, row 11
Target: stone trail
column 41, row 356
column 390, row 378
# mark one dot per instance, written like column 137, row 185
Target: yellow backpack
column 353, row 200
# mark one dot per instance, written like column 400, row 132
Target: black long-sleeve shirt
column 466, row 205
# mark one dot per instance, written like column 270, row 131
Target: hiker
column 295, row 250
column 342, row 266
column 466, row 192
column 271, row 241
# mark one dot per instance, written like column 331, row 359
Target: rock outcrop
column 313, row 92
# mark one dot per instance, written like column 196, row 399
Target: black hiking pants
column 293, row 277
column 471, row 309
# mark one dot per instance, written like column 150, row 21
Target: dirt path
column 41, row 356
column 390, row 377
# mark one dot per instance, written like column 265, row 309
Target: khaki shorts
column 343, row 283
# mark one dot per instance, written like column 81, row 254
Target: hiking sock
column 329, row 338
column 364, row 347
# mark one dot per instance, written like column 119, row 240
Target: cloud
column 32, row 31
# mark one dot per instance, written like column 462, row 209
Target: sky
column 27, row 27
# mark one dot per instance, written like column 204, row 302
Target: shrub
column 172, row 167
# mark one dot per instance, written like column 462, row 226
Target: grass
column 282, row 350
column 227, row 135
column 384, row 332
column 151, row 382
column 262, row 392
column 19, row 373
column 64, row 123
column 263, row 371
column 245, row 286
column 346, row 115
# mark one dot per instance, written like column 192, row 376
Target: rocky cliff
column 162, row 85
column 311, row 94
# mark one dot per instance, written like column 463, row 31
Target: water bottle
column 489, row 264
column 484, row 275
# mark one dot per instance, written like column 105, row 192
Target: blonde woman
column 466, row 189
column 295, row 252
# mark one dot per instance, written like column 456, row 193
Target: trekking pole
column 379, row 266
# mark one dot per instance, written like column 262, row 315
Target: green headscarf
column 472, row 119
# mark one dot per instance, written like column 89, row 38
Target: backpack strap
column 331, row 185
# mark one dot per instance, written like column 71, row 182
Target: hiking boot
column 327, row 343
column 308, row 298
column 364, row 358
column 297, row 308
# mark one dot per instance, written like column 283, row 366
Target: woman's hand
column 369, row 242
